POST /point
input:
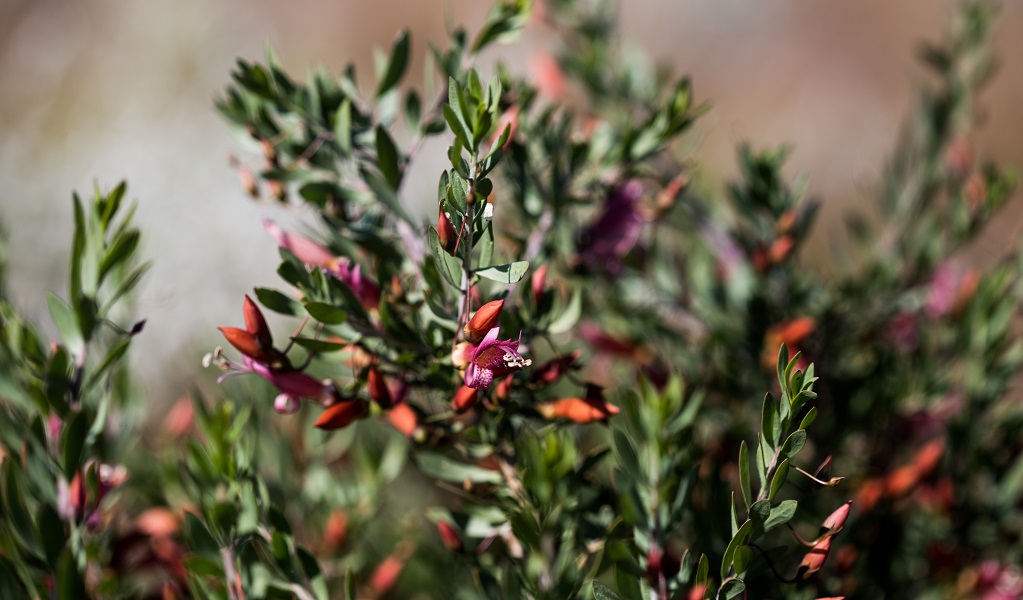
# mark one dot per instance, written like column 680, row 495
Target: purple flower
column 293, row 385
column 608, row 239
column 493, row 358
column 364, row 288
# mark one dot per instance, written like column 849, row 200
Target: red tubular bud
column 341, row 415
column 245, row 342
column 446, row 233
column 465, row 398
column 255, row 323
column 403, row 418
column 538, row 282
column 836, row 520
column 450, row 536
column 578, row 410
column 483, row 321
column 378, row 389
column 815, row 558
column 386, row 574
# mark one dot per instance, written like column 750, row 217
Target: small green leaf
column 731, row 588
column 343, row 126
column 397, row 65
column 443, row 467
column 67, row 324
column 319, row 345
column 602, row 592
column 741, row 559
column 810, row 417
column 737, row 540
column 758, row 514
column 570, row 316
column 413, row 110
column 510, row 273
column 744, row 485
column 448, row 266
column 387, row 158
column 326, row 313
column 73, row 443
column 277, row 302
column 781, row 514
column 793, row 444
column 385, row 193
column 779, row 478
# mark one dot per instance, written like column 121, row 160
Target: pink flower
column 493, row 358
column 304, row 249
column 314, row 254
column 606, row 242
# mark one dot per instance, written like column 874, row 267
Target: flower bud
column 335, row 531
column 578, row 410
column 386, row 574
column 341, row 415
column 537, row 282
column 815, row 558
column 446, row 233
column 836, row 520
column 465, row 398
column 450, row 536
column 286, row 404
column 403, row 418
column 483, row 321
column 378, row 389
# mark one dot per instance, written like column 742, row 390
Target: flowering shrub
column 584, row 379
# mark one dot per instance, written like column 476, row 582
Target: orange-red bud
column 578, row 410
column 554, row 369
column 450, row 536
column 245, row 342
column 483, row 321
column 335, row 531
column 465, row 398
column 538, row 281
column 836, row 520
column 815, row 558
column 378, row 389
column 341, row 415
column 386, row 574
column 403, row 418
column 446, row 233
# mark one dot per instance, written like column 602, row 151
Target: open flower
column 260, row 357
column 493, row 358
column 608, row 239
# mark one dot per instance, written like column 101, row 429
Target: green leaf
column 504, row 23
column 73, row 443
column 779, row 478
column 397, row 65
column 319, row 345
column 413, row 110
column 602, row 592
column 744, row 485
column 343, row 126
column 67, row 324
column 741, row 559
column 758, row 515
column 810, row 417
column 277, row 302
column 387, row 158
column 124, row 246
column 737, row 540
column 70, row 585
column 768, row 420
column 326, row 313
column 448, row 265
column 52, row 533
column 385, row 193
column 510, row 273
column 781, row 514
column 793, row 444
column 626, row 452
column 16, row 514
column 567, row 319
column 448, row 469
column 731, row 588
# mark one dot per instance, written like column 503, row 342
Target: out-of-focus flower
column 493, row 358
column 580, row 410
column 403, row 418
column 975, row 190
column 450, row 536
column 609, row 239
column 316, row 255
column 959, row 157
column 341, row 414
column 548, row 76
column 304, row 249
column 465, row 398
column 791, row 333
column 378, row 389
column 538, row 282
column 950, row 289
column 386, row 574
column 178, row 421
column 552, row 370
column 510, row 119
column 335, row 531
column 75, row 501
column 255, row 340
column 484, row 321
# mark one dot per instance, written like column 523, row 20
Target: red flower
column 493, row 358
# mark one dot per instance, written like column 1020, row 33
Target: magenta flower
column 314, row 254
column 493, row 358
column 293, row 385
column 606, row 242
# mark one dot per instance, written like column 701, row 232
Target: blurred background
column 93, row 91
